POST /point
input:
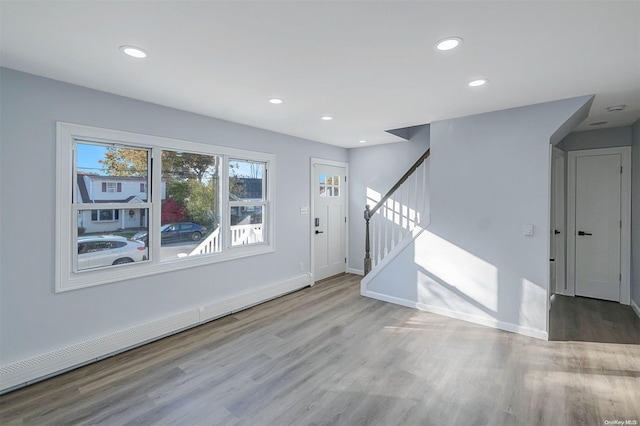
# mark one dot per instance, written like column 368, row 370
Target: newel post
column 367, row 253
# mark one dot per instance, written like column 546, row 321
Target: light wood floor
column 326, row 355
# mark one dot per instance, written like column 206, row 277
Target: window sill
column 93, row 277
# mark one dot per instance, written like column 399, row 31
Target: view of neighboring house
column 113, row 189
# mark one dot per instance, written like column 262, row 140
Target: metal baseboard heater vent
column 43, row 366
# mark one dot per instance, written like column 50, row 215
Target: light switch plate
column 527, row 230
column 304, row 210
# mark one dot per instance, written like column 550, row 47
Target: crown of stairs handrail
column 369, row 212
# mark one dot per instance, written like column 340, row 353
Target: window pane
column 105, row 243
column 246, row 225
column 190, row 213
column 106, row 215
column 107, row 174
column 246, row 180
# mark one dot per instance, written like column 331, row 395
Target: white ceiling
column 370, row 64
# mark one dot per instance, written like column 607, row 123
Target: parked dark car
column 172, row 232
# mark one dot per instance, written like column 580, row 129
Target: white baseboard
column 39, row 367
column 635, row 307
column 355, row 271
column 500, row 325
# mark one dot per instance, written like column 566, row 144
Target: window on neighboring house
column 190, row 215
column 105, row 215
column 111, row 187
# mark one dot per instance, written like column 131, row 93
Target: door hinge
column 345, row 260
column 345, row 219
column 620, row 277
column 620, row 169
column 620, row 224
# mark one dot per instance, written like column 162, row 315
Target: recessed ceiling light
column 478, row 82
column 326, row 118
column 448, row 43
column 134, row 52
column 614, row 108
column 275, row 101
column 362, row 141
column 598, row 123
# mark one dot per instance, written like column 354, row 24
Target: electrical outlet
column 301, row 266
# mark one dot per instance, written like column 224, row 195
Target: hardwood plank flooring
column 327, row 356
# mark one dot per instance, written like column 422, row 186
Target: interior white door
column 329, row 223
column 598, row 226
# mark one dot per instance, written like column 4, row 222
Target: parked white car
column 106, row 250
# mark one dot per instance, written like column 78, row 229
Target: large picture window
column 132, row 205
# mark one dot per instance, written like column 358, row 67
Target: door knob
column 556, row 232
column 583, row 233
column 319, row 232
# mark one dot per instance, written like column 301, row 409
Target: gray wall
column 489, row 177
column 635, row 214
column 597, row 139
column 33, row 319
column 377, row 167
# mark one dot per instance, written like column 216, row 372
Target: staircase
column 398, row 217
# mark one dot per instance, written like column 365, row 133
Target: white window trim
column 66, row 212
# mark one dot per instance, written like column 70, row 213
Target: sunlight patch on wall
column 454, row 278
column 396, row 212
column 533, row 304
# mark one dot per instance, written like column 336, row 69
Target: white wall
column 635, row 216
column 489, row 176
column 378, row 168
column 33, row 319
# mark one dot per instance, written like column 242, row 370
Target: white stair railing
column 246, row 234
column 211, row 244
column 395, row 215
column 240, row 235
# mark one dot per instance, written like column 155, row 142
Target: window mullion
column 225, row 211
column 155, row 212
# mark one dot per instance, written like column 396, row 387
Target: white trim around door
column 625, row 216
column 321, row 161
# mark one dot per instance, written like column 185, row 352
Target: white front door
column 329, row 220
column 598, row 226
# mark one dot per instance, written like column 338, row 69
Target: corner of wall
column 635, row 216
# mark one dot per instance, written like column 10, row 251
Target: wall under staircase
column 489, row 175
